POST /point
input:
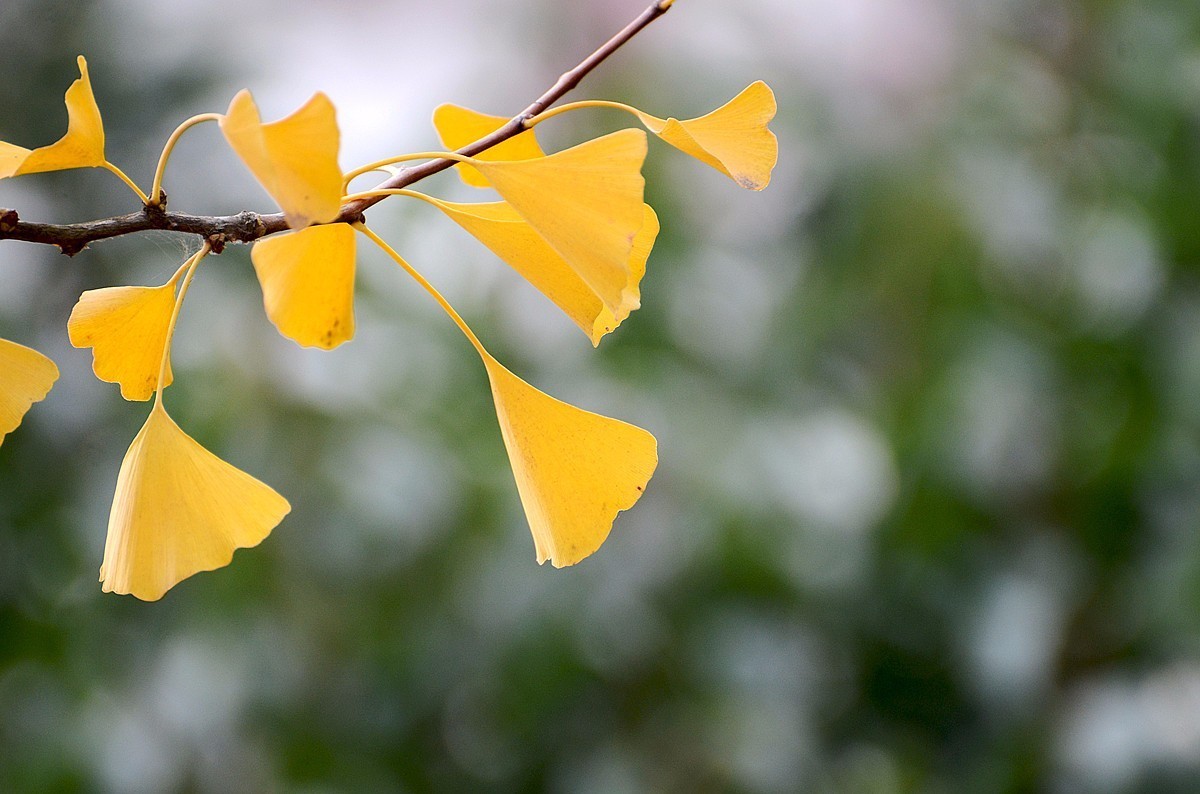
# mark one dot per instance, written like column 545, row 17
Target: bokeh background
column 928, row 411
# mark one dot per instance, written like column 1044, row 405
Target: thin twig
column 246, row 227
column 516, row 125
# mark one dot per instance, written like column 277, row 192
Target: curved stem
column 379, row 165
column 437, row 296
column 173, row 280
column 385, row 167
column 156, row 188
column 390, row 192
column 591, row 103
column 190, row 265
column 129, row 182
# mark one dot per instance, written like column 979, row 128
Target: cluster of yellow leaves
column 573, row 223
column 26, row 375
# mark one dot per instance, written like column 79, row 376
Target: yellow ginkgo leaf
column 126, row 327
column 307, row 280
column 575, row 470
column 11, row 158
column 586, row 202
column 179, row 510
column 733, row 139
column 294, row 159
column 25, row 378
column 81, row 147
column 498, row 226
column 457, row 126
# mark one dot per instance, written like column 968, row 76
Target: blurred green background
column 928, row 412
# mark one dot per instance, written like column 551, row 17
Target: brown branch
column 246, row 227
column 72, row 238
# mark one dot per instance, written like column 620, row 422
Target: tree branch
column 72, row 238
column 246, row 227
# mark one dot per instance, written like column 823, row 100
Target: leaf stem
column 129, row 182
column 392, row 192
column 437, row 296
column 156, row 188
column 590, row 103
column 190, row 265
column 401, row 158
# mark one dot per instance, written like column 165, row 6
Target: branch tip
column 566, row 81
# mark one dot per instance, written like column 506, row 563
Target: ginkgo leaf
column 81, row 147
column 733, row 139
column 586, row 202
column 498, row 226
column 307, row 280
column 294, row 159
column 126, row 327
column 11, row 158
column 457, row 126
column 179, row 510
column 25, row 378
column 575, row 470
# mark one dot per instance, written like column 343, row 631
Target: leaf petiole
column 129, row 182
column 156, row 188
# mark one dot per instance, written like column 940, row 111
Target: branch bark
column 246, row 227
